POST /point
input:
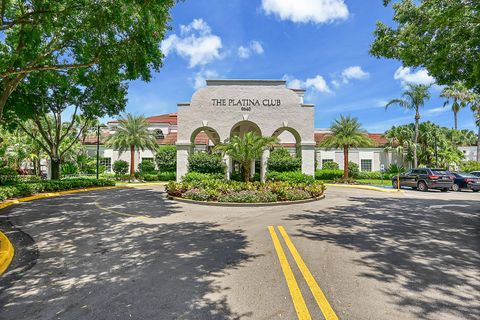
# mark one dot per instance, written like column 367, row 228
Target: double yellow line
column 296, row 294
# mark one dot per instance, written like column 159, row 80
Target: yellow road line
column 118, row 212
column 322, row 301
column 296, row 294
column 6, row 252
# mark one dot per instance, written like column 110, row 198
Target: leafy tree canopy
column 439, row 35
column 104, row 40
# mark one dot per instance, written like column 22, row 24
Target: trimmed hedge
column 197, row 176
column 296, row 177
column 27, row 189
column 206, row 163
column 282, row 161
column 374, row 175
column 244, row 192
column 328, row 174
column 161, row 176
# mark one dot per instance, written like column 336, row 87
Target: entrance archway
column 242, row 127
column 204, row 138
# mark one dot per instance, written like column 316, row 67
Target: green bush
column 280, row 160
column 166, row 158
column 7, row 171
column 373, row 175
column 167, row 176
column 328, row 174
column 146, row 167
column 197, row 176
column 330, row 165
column 26, row 189
column 470, row 165
column 296, row 177
column 395, row 168
column 248, row 196
column 296, row 194
column 120, row 167
column 353, row 169
column 203, row 162
column 69, row 168
column 8, row 176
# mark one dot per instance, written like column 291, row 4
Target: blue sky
column 320, row 45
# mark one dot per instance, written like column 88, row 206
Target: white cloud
column 354, row 72
column 304, row 11
column 196, row 43
column 405, row 75
column 254, row 47
column 201, row 76
column 317, row 83
column 437, row 110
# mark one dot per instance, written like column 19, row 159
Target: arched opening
column 242, row 127
column 289, row 139
column 203, row 139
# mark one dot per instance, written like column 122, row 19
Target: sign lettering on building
column 246, row 104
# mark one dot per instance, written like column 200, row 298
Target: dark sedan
column 475, row 173
column 465, row 181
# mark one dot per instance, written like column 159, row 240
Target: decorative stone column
column 263, row 169
column 308, row 158
column 228, row 162
column 252, row 169
column 183, row 151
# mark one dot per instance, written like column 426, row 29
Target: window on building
column 159, row 134
column 107, row 163
column 326, row 160
column 366, row 165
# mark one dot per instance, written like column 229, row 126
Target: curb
column 6, row 252
column 54, row 194
column 363, row 187
column 239, row 204
column 140, row 184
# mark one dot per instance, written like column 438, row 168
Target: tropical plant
column 281, row 160
column 146, row 167
column 330, row 165
column 475, row 106
column 203, row 162
column 246, row 149
column 132, row 133
column 460, row 96
column 120, row 167
column 100, row 40
column 400, row 140
column 413, row 98
column 346, row 133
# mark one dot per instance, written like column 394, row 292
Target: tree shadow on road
column 430, row 248
column 97, row 265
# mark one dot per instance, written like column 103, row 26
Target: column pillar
column 263, row 169
column 308, row 158
column 252, row 169
column 228, row 170
column 183, row 151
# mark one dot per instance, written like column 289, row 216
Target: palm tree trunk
column 246, row 171
column 478, row 145
column 345, row 162
column 455, row 119
column 415, row 139
column 132, row 161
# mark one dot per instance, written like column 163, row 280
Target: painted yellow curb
column 54, row 194
column 140, row 184
column 6, row 252
column 356, row 186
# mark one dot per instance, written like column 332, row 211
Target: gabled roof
column 170, row 118
column 378, row 138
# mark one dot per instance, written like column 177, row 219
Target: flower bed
column 27, row 189
column 245, row 192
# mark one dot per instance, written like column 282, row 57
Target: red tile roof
column 170, row 118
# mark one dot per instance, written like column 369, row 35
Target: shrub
column 69, row 168
column 296, row 194
column 353, row 169
column 395, row 168
column 26, row 189
column 328, row 174
column 206, row 163
column 330, row 165
column 166, row 158
column 470, row 166
column 197, row 194
column 167, row 176
column 120, row 167
column 248, row 196
column 281, row 161
column 197, row 176
column 296, row 177
column 7, row 171
column 374, row 175
column 8, row 176
column 146, row 167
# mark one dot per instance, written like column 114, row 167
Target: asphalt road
column 132, row 254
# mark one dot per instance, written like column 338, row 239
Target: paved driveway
column 132, row 254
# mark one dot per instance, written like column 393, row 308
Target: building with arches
column 225, row 108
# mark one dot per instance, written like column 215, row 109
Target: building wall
column 378, row 156
column 469, row 152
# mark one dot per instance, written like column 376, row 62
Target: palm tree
column 413, row 98
column 460, row 96
column 399, row 139
column 475, row 106
column 132, row 132
column 347, row 132
column 246, row 149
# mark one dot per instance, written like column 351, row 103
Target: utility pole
column 98, row 150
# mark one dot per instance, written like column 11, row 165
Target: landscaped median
column 211, row 190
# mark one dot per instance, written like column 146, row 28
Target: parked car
column 424, row 179
column 465, row 181
column 475, row 173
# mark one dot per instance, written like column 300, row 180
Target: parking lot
column 133, row 254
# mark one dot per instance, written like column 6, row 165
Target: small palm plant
column 413, row 98
column 347, row 133
column 132, row 132
column 246, row 149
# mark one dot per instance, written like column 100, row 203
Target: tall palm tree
column 347, row 133
column 132, row 132
column 399, row 139
column 475, row 106
column 460, row 96
column 246, row 149
column 413, row 98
